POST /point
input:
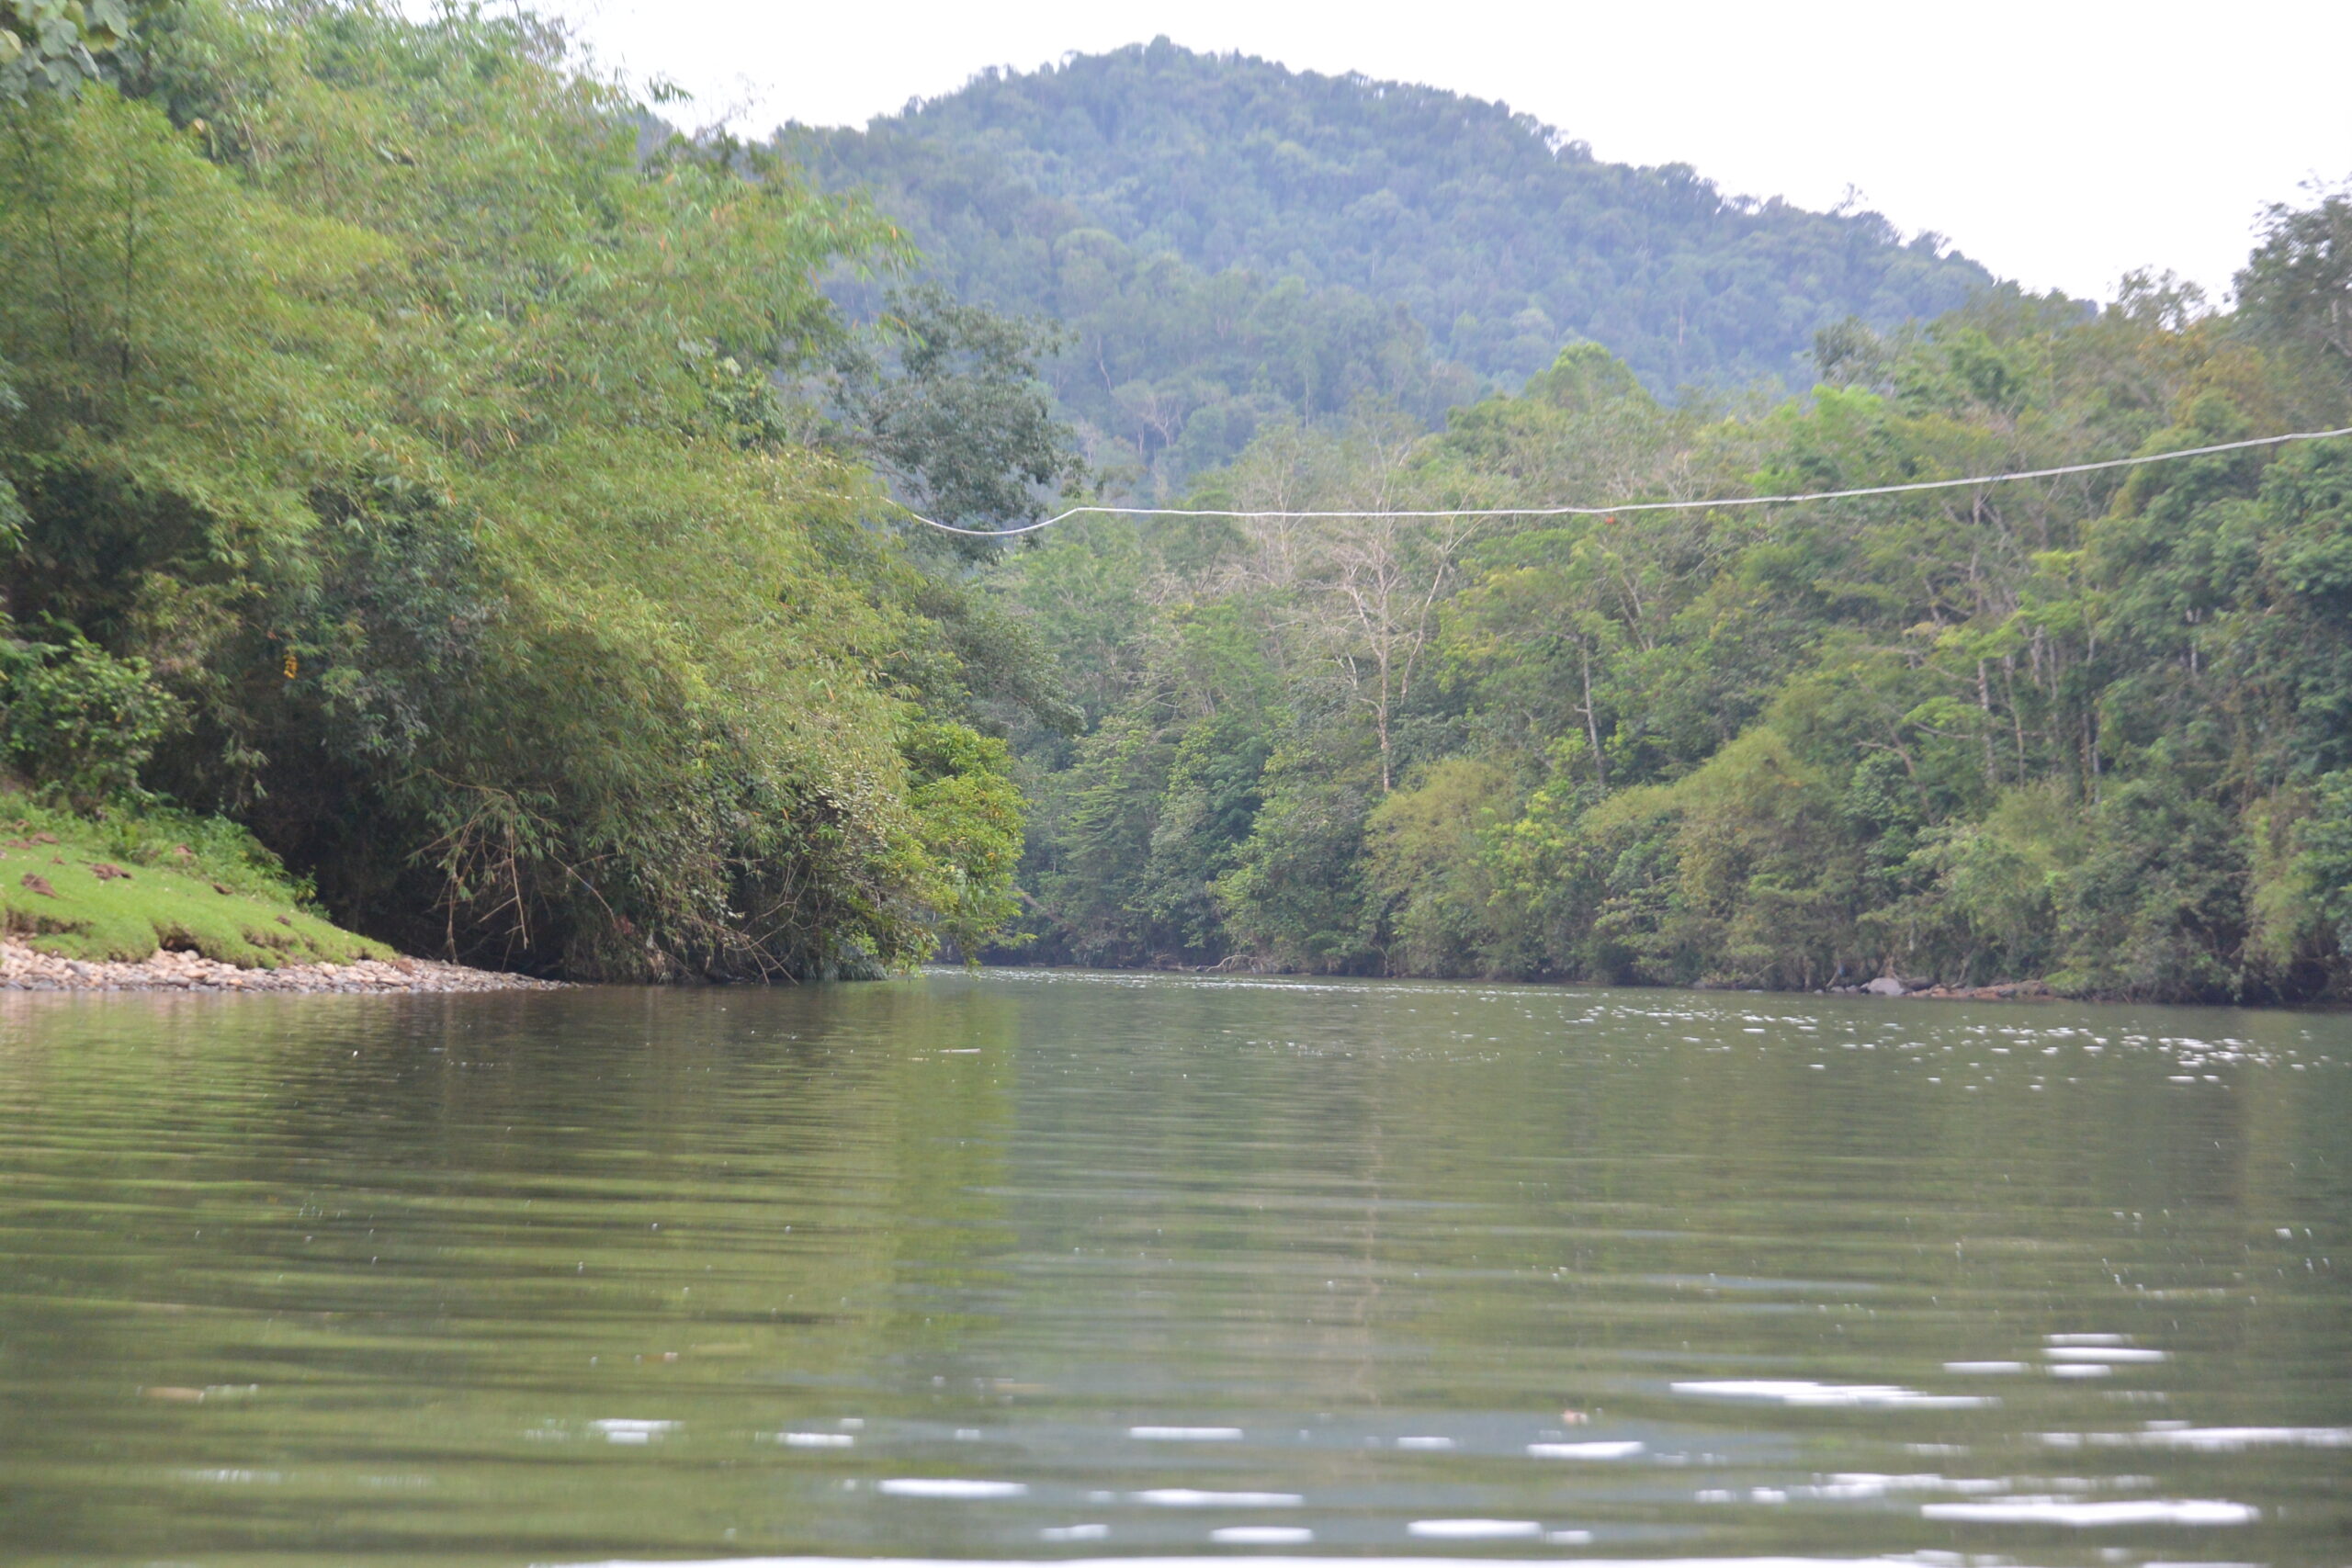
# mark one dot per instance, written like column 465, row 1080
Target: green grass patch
column 121, row 886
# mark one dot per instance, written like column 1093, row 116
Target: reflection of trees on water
column 440, row 1236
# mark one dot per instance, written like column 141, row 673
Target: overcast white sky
column 2061, row 143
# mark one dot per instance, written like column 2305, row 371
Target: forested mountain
column 2095, row 729
column 1234, row 241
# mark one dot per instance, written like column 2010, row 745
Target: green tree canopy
column 2091, row 731
column 414, row 442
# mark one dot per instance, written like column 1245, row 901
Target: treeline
column 406, row 457
column 393, row 460
column 2095, row 728
column 1233, row 242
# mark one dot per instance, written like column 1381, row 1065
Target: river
column 1044, row 1265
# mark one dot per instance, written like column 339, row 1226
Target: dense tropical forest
column 1230, row 242
column 421, row 469
column 2095, row 728
column 392, row 462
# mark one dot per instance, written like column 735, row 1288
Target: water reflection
column 1057, row 1266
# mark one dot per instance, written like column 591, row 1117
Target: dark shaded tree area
column 1234, row 241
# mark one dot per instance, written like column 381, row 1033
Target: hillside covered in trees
column 1232, row 241
column 2095, row 730
column 392, row 463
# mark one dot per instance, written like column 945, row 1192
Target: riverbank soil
column 23, row 968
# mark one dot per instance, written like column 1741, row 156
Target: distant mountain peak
column 1440, row 243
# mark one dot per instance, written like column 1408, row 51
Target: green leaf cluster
column 77, row 719
column 55, row 46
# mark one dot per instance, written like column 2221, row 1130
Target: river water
column 1026, row 1264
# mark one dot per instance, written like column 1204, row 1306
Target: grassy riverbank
column 120, row 888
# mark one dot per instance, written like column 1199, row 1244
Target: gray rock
column 1885, row 986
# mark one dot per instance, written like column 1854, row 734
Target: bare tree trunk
column 1591, row 722
column 1984, row 706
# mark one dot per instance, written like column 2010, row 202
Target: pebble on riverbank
column 23, row 969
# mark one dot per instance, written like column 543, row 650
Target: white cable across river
column 1637, row 506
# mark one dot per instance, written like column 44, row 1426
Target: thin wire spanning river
column 1047, row 1266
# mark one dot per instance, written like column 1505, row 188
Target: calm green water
column 1051, row 1266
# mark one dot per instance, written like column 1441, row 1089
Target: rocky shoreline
column 2004, row 991
column 23, row 969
